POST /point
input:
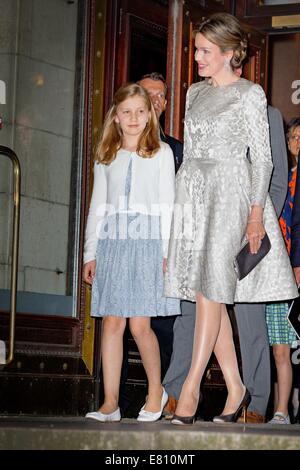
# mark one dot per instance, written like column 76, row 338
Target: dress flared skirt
column 210, row 218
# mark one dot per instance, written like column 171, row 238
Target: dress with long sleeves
column 226, row 169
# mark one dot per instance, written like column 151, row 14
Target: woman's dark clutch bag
column 245, row 261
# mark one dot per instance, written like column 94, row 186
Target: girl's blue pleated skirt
column 129, row 269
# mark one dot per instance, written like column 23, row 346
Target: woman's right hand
column 89, row 270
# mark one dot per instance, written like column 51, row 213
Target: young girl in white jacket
column 126, row 243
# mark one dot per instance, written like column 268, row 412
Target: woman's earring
column 227, row 63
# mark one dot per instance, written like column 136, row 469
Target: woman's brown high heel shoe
column 186, row 420
column 233, row 417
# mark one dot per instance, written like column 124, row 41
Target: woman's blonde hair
column 111, row 137
column 225, row 31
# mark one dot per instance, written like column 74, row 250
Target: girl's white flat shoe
column 148, row 416
column 110, row 417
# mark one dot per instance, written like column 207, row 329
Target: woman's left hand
column 255, row 233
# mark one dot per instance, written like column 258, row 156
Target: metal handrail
column 15, row 247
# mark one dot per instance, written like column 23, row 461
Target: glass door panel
column 39, row 56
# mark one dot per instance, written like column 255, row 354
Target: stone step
column 78, row 433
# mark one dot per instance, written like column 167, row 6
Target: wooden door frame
column 120, row 14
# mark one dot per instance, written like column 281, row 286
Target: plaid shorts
column 279, row 329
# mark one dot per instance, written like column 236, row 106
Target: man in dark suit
column 156, row 86
column 250, row 318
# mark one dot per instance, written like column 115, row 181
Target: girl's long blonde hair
column 111, row 137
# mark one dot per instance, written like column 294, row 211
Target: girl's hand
column 255, row 233
column 89, row 270
column 164, row 265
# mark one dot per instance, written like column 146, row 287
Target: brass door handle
column 7, row 152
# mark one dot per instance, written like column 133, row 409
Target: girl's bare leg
column 148, row 347
column 281, row 354
column 112, row 357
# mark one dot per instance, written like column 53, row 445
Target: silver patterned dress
column 226, row 169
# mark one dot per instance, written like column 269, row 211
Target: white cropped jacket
column 152, row 192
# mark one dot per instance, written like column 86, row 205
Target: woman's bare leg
column 148, row 347
column 226, row 356
column 112, row 357
column 207, row 327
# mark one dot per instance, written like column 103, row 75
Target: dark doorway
column 148, row 49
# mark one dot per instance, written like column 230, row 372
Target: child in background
column 281, row 335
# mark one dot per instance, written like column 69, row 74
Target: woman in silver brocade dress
column 221, row 196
